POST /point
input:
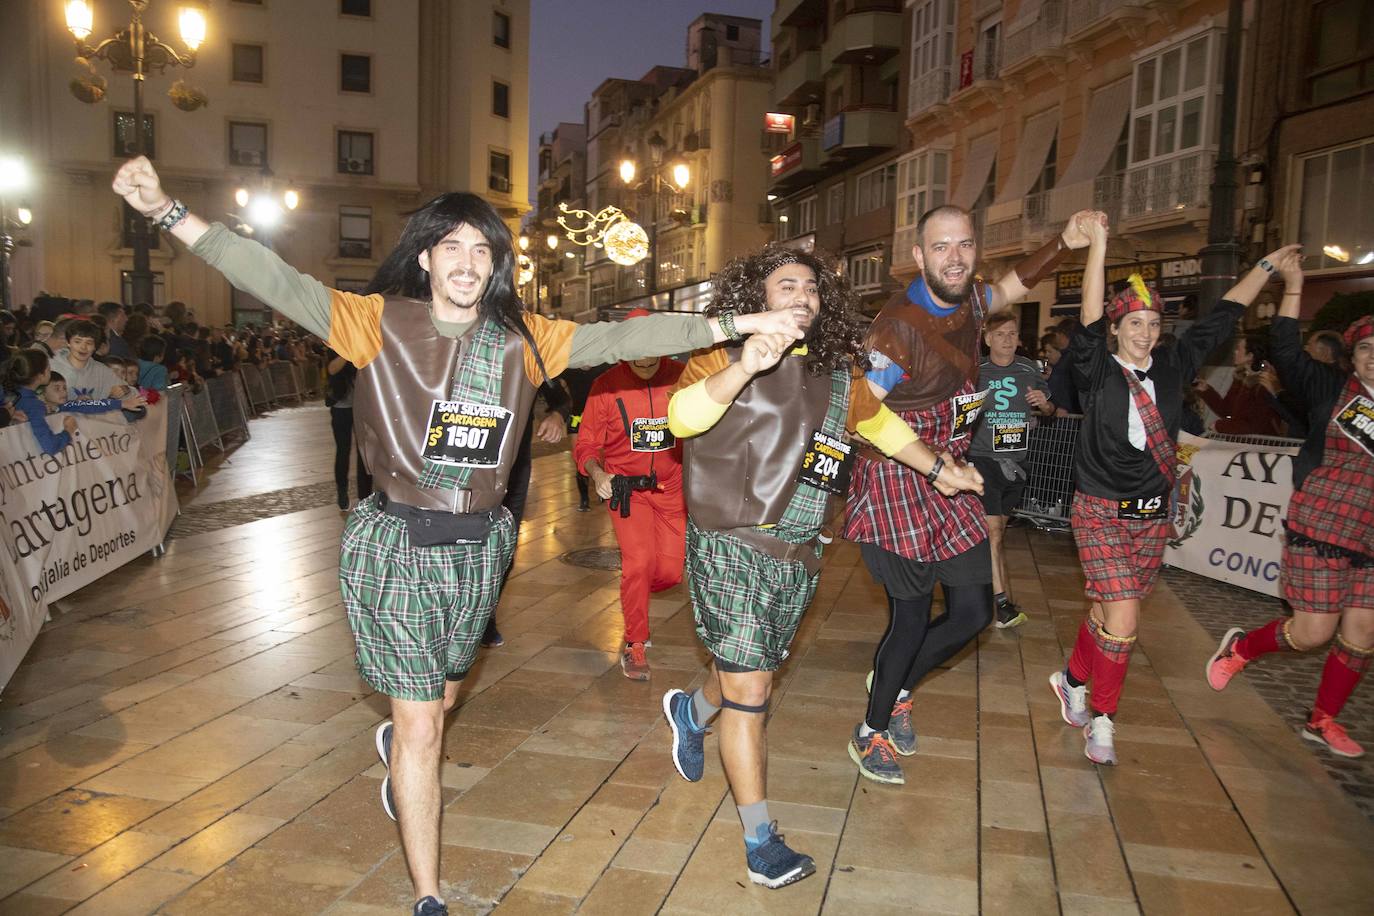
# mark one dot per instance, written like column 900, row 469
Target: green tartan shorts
column 747, row 604
column 417, row 613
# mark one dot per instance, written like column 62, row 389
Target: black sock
column 1070, row 679
column 1001, row 598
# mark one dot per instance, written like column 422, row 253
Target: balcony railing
column 1042, row 33
column 1035, row 216
column 929, row 89
column 1003, row 234
column 1180, row 183
column 1084, row 14
column 1101, row 193
column 804, row 70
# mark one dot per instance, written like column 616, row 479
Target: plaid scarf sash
column 478, row 381
column 805, row 512
column 1161, row 446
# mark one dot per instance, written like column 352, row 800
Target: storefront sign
column 1174, row 279
column 775, row 122
column 785, row 161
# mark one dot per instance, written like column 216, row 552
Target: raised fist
column 137, row 182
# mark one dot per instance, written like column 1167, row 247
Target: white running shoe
column 1073, row 701
column 1101, row 735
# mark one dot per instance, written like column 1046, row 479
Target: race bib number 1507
column 466, row 435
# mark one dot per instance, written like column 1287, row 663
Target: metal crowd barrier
column 1048, row 496
column 311, row 378
column 285, row 385
column 179, row 435
column 204, row 429
column 256, row 383
column 1049, row 493
column 226, row 402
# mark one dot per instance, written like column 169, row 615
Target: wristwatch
column 727, row 324
column 934, row 473
column 1266, row 264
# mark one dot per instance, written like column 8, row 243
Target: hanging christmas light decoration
column 626, row 243
column 526, row 270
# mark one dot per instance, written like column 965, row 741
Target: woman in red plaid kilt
column 1328, row 554
column 1124, row 471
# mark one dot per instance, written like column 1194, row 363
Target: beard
column 947, row 292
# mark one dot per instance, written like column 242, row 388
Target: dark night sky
column 575, row 44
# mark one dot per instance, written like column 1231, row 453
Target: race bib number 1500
column 1356, row 420
column 466, row 435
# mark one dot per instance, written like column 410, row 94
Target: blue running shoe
column 688, row 756
column 773, row 864
column 429, row 906
column 384, row 752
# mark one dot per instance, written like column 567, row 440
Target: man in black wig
column 448, row 362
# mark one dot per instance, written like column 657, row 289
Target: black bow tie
column 1140, row 374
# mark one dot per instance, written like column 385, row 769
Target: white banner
column 71, row 517
column 1228, row 510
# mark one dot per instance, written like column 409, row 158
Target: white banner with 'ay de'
column 73, row 516
column 1228, row 509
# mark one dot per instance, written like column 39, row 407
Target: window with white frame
column 932, row 53
column 873, row 189
column 866, row 271
column 1175, row 98
column 806, row 216
column 1340, row 59
column 355, row 232
column 1334, row 199
column 834, row 204
column 922, row 184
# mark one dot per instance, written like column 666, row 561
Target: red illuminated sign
column 777, row 123
column 785, row 161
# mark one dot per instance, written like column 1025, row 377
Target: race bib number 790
column 466, row 435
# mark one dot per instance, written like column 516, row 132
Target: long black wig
column 402, row 275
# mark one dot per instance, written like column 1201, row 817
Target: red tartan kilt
column 1120, row 557
column 1316, row 584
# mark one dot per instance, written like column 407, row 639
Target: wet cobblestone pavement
column 1287, row 681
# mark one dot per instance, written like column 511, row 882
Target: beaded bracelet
column 727, row 324
column 173, row 216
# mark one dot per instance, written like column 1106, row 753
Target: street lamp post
column 14, row 176
column 136, row 50
column 682, row 176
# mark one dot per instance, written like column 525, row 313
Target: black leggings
column 341, row 420
column 914, row 645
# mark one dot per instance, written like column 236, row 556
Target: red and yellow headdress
column 1135, row 297
column 1359, row 329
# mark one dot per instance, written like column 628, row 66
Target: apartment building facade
column 1026, row 111
column 706, row 115
column 835, row 133
column 363, row 108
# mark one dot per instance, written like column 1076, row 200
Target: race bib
column 1356, row 420
column 1009, row 437
column 966, row 410
column 1143, row 508
column 466, row 435
column 650, row 434
column 827, row 463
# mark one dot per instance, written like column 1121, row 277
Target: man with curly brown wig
column 923, row 354
column 766, row 425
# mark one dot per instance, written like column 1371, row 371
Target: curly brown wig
column 835, row 341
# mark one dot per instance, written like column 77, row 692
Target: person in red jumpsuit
column 634, row 462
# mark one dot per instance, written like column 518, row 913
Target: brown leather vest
column 949, row 355
column 393, row 397
column 743, row 471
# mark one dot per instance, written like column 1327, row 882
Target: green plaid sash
column 477, row 381
column 805, row 512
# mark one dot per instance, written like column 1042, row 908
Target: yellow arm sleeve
column 692, row 411
column 887, row 431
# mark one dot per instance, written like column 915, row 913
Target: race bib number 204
column 827, row 463
column 466, row 435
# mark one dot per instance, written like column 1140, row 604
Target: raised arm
column 1017, row 282
column 699, row 406
column 1094, row 272
column 1248, row 286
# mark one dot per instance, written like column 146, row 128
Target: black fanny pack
column 427, row 528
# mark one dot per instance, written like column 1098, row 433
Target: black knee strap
column 727, row 703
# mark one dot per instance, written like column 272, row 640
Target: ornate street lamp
column 136, row 51
column 681, row 177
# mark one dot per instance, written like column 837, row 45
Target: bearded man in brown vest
column 767, row 425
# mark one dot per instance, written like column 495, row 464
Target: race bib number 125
column 466, row 435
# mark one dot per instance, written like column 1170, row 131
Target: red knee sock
column 1081, row 662
column 1111, row 656
column 1345, row 665
column 1272, row 637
